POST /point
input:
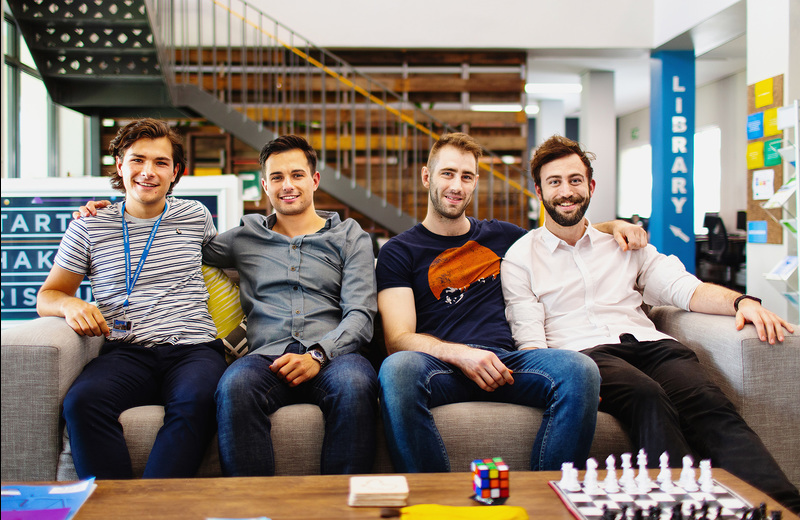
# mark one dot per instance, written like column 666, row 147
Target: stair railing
column 280, row 80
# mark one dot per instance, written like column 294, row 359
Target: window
column 635, row 181
column 40, row 139
column 707, row 175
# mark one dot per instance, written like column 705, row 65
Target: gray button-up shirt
column 317, row 289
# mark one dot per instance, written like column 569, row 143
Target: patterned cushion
column 226, row 311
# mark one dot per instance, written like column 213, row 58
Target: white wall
column 724, row 104
column 508, row 24
column 773, row 47
column 674, row 17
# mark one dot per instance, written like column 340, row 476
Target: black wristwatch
column 744, row 297
column 319, row 355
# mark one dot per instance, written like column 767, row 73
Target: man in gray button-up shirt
column 308, row 290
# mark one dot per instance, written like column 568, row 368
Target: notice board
column 763, row 100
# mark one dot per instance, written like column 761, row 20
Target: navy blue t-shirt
column 455, row 279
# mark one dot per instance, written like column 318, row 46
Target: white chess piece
column 687, row 481
column 590, row 478
column 643, row 479
column 705, row 481
column 628, row 479
column 610, row 484
column 569, row 478
column 664, row 478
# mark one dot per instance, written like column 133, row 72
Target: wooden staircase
column 254, row 79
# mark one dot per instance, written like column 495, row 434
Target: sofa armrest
column 40, row 360
column 760, row 379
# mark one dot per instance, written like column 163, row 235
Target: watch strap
column 744, row 297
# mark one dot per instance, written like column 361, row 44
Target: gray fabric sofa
column 41, row 358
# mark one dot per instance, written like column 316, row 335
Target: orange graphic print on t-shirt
column 455, row 270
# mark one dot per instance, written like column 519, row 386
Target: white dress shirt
column 578, row 297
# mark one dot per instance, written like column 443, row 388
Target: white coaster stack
column 378, row 491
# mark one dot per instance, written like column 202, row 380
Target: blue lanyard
column 130, row 281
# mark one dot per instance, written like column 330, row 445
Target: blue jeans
column 565, row 383
column 346, row 391
column 180, row 377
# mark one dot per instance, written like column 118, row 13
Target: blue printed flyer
column 46, row 501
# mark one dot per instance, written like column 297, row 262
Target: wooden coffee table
column 314, row 497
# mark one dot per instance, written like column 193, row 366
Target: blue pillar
column 672, row 95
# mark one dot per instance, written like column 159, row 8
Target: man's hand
column 768, row 324
column 295, row 368
column 85, row 318
column 629, row 236
column 485, row 369
column 90, row 209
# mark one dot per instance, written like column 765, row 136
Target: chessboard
column 719, row 503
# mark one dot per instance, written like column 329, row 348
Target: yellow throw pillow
column 226, row 310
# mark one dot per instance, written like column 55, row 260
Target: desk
column 323, row 497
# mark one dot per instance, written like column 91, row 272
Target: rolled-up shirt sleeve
column 524, row 312
column 665, row 281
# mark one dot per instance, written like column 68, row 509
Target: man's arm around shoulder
column 714, row 299
column 398, row 312
column 628, row 236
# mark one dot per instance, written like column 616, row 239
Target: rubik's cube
column 490, row 478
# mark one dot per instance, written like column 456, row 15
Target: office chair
column 717, row 237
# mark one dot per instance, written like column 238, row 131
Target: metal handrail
column 279, row 68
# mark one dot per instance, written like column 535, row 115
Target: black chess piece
column 762, row 511
column 638, row 514
column 677, row 513
column 623, row 511
column 776, row 515
column 719, row 511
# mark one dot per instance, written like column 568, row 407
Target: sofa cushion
column 484, row 429
column 140, row 426
column 297, row 432
column 226, row 311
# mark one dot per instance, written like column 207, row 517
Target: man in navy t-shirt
column 441, row 301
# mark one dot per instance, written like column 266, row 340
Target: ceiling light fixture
column 496, row 108
column 531, row 110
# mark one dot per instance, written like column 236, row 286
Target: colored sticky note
column 757, row 231
column 772, row 156
column 755, row 125
column 763, row 93
column 771, row 122
column 755, row 155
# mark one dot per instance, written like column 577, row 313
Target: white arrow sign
column 679, row 233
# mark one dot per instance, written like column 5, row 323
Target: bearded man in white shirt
column 568, row 286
